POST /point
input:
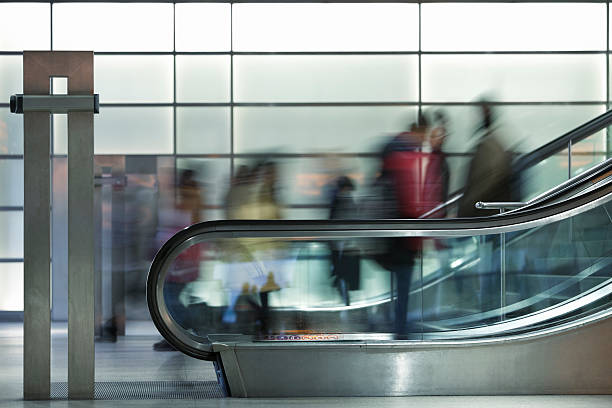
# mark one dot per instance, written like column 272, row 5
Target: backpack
column 381, row 204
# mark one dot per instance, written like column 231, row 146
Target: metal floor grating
column 146, row 390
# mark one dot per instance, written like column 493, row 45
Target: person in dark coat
column 435, row 189
column 490, row 171
column 489, row 179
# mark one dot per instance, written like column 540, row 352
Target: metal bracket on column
column 37, row 105
column 55, row 103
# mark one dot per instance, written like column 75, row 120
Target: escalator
column 518, row 303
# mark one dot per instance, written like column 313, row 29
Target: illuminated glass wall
column 316, row 87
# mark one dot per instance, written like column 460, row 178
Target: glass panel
column 11, row 132
column 133, row 131
column 11, row 180
column 213, row 178
column 339, row 27
column 60, row 133
column 113, row 27
column 543, row 268
column 130, row 78
column 311, row 181
column 11, row 76
column 202, row 130
column 300, row 78
column 271, row 287
column 521, row 78
column 203, row 78
column 588, row 153
column 11, row 234
column 11, row 286
column 493, row 27
column 545, row 175
column 59, row 85
column 25, row 26
column 318, row 129
column 203, row 27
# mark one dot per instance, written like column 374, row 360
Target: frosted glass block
column 11, row 76
column 317, row 78
column 318, row 129
column 203, row 130
column 203, row 27
column 513, row 27
column 11, row 287
column 522, row 128
column 133, row 131
column 11, row 234
column 310, row 181
column 326, row 27
column 520, row 78
column 134, row 78
column 203, row 78
column 113, row 27
column 11, row 132
column 60, row 133
column 59, row 85
column 25, row 26
column 213, row 175
column 11, row 180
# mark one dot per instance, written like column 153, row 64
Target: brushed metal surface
column 80, row 256
column 38, row 68
column 233, row 373
column 55, row 103
column 571, row 362
column 36, row 255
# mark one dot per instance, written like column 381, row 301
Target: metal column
column 36, row 254
column 37, row 105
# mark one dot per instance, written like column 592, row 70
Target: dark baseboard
column 11, row 316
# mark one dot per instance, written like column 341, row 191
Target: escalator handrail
column 536, row 156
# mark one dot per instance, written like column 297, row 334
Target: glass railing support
column 569, row 159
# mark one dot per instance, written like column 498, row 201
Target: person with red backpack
column 403, row 166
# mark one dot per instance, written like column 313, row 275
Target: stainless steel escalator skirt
column 571, row 358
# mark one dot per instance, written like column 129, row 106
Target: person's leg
column 176, row 309
column 264, row 313
column 403, row 273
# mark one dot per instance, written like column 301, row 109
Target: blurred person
column 435, row 193
column 185, row 268
column 260, row 263
column 435, row 189
column 269, row 253
column 489, row 180
column 345, row 260
column 490, row 170
column 402, row 170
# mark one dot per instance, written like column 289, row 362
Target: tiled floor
column 132, row 359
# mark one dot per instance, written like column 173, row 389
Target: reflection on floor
column 132, row 360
